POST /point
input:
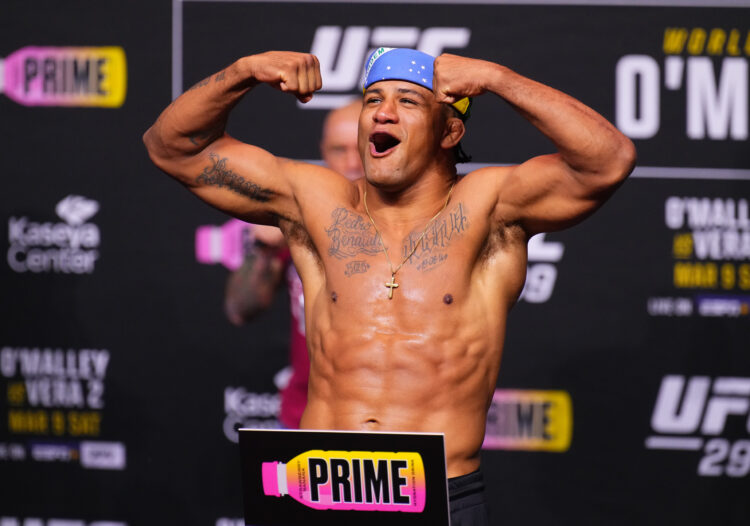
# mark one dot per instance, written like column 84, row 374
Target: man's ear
column 453, row 133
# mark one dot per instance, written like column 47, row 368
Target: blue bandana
column 405, row 64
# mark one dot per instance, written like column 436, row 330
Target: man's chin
column 382, row 168
column 377, row 174
column 388, row 182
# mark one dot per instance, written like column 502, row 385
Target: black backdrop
column 121, row 379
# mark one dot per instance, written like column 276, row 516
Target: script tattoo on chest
column 356, row 267
column 222, row 177
column 433, row 249
column 350, row 235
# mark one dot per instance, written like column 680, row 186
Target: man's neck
column 407, row 208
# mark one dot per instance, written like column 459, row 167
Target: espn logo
column 342, row 52
column 103, row 455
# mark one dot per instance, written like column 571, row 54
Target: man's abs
column 428, row 372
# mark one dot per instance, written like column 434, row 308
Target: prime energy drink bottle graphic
column 350, row 480
column 65, row 76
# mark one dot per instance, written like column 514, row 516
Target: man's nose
column 386, row 112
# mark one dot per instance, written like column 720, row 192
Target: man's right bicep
column 240, row 179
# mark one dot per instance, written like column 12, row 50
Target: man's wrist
column 496, row 77
column 245, row 71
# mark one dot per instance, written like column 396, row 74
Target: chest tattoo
column 356, row 267
column 351, row 235
column 433, row 249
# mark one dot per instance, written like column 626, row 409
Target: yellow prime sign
column 529, row 420
column 65, row 76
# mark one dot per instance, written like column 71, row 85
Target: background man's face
column 338, row 146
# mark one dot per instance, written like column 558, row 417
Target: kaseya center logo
column 69, row 246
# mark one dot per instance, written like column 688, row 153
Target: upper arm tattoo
column 220, row 176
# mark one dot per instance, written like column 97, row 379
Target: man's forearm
column 199, row 116
column 586, row 141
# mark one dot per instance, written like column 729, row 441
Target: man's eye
column 408, row 101
column 371, row 100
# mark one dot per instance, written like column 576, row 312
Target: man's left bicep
column 544, row 194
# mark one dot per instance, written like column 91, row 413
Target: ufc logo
column 342, row 52
column 686, row 406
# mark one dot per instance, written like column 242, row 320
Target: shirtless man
column 250, row 288
column 423, row 356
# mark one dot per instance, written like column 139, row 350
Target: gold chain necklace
column 392, row 284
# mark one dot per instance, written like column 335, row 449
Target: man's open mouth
column 381, row 143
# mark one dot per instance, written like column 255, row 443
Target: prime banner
column 624, row 389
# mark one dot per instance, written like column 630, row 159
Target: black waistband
column 468, row 484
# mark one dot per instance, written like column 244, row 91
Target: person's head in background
column 338, row 145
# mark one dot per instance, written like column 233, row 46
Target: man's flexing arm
column 553, row 191
column 189, row 141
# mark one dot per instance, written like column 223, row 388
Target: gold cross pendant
column 392, row 285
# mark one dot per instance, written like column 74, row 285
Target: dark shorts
column 466, row 496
